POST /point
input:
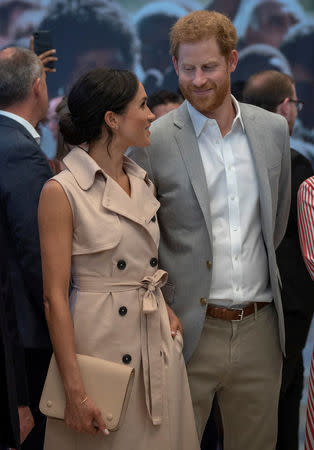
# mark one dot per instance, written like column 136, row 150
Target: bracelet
column 84, row 400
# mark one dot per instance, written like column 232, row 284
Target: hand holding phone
column 41, row 44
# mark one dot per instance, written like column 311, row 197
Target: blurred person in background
column 153, row 23
column 298, row 49
column 18, row 20
column 276, row 92
column 89, row 35
column 162, row 102
column 266, row 21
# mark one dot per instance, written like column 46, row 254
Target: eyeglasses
column 298, row 103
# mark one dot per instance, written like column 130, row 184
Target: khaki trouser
column 242, row 362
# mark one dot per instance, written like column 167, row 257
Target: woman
column 99, row 216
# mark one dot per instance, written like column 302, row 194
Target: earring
column 117, row 127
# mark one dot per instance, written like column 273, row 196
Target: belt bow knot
column 151, row 344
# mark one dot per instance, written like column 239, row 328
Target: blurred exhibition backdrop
column 133, row 34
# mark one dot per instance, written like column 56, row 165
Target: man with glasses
column 276, row 92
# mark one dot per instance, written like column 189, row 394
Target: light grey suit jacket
column 174, row 164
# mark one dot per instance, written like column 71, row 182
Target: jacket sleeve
column 26, row 171
column 284, row 191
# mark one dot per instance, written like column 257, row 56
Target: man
column 296, row 45
column 276, row 92
column 23, row 171
column 222, row 175
column 16, row 422
column 162, row 102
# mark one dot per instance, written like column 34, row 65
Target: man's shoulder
column 252, row 111
column 174, row 119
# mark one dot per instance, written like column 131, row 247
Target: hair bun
column 72, row 133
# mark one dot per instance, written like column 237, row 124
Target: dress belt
column 150, row 331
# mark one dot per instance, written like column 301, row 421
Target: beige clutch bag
column 107, row 383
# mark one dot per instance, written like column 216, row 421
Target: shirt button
column 203, row 301
column 232, row 197
column 121, row 264
column 123, row 310
column 154, row 219
column 154, row 262
column 126, row 359
column 209, row 264
column 236, row 258
column 237, row 289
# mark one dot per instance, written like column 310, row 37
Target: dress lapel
column 140, row 207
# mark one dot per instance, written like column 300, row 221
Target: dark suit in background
column 297, row 300
column 13, row 387
column 23, row 171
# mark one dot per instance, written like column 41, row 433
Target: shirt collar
column 199, row 120
column 29, row 127
column 84, row 168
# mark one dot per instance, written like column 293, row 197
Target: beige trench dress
column 118, row 311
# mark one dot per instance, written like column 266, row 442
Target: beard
column 208, row 103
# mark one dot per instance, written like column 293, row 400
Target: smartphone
column 42, row 43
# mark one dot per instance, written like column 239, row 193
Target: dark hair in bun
column 95, row 93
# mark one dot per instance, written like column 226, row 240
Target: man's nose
column 199, row 78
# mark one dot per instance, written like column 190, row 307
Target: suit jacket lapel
column 258, row 142
column 188, row 146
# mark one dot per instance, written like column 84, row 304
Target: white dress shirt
column 29, row 127
column 240, row 272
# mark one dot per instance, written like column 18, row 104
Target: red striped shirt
column 306, row 222
column 306, row 235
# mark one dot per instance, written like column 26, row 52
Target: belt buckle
column 241, row 314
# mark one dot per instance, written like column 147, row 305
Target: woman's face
column 134, row 123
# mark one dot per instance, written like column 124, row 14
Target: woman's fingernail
column 173, row 333
column 106, row 431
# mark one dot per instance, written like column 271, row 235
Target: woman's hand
column 175, row 324
column 45, row 57
column 84, row 416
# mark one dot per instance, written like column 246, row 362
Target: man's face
column 204, row 74
column 292, row 111
column 273, row 23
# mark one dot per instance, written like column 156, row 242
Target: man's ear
column 233, row 60
column 175, row 64
column 36, row 86
column 110, row 118
column 283, row 108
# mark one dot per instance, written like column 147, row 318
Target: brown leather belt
column 218, row 312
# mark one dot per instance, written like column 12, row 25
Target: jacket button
column 154, row 262
column 121, row 264
column 209, row 264
column 154, row 219
column 127, row 358
column 203, row 301
column 123, row 310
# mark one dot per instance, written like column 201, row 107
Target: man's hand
column 175, row 324
column 45, row 57
column 26, row 422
